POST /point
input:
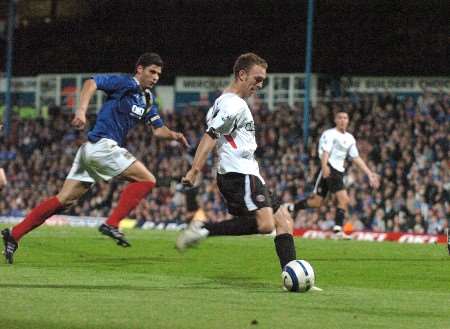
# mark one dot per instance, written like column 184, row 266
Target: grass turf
column 75, row 278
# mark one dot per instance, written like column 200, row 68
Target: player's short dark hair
column 148, row 59
column 246, row 61
column 341, row 110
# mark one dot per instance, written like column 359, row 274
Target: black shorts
column 244, row 194
column 332, row 184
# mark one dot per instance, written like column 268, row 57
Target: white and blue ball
column 298, row 276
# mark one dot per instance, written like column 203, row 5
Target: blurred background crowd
column 405, row 140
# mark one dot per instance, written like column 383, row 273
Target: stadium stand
column 405, row 139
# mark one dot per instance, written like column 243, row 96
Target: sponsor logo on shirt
column 225, row 118
column 137, row 111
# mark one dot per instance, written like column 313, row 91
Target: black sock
column 340, row 215
column 285, row 247
column 235, row 226
column 302, row 204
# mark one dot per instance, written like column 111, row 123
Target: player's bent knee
column 137, row 172
column 70, row 204
column 151, row 181
column 283, row 221
column 284, row 226
column 265, row 226
column 265, row 220
column 66, row 202
column 343, row 202
column 149, row 178
column 72, row 191
column 143, row 177
column 315, row 202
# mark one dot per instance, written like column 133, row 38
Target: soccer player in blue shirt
column 102, row 157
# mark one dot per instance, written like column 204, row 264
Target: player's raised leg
column 314, row 201
column 260, row 221
column 71, row 191
column 248, row 201
column 141, row 183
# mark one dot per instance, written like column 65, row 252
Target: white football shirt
column 339, row 146
column 231, row 120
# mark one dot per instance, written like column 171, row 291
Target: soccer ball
column 298, row 276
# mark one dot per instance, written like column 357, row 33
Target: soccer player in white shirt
column 335, row 146
column 231, row 128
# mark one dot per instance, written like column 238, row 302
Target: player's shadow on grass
column 350, row 259
column 94, row 287
column 128, row 260
column 211, row 284
column 240, row 282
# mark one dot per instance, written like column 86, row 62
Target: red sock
column 131, row 195
column 36, row 217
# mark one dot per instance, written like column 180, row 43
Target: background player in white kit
column 231, row 127
column 335, row 146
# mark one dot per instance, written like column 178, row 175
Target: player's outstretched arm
column 374, row 179
column 165, row 133
column 88, row 90
column 206, row 145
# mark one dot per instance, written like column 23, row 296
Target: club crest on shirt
column 250, row 126
column 260, row 198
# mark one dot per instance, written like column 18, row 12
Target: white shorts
column 100, row 161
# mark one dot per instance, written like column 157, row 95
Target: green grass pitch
column 76, row 278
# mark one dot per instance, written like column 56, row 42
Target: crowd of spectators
column 404, row 139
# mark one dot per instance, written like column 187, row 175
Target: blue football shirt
column 125, row 106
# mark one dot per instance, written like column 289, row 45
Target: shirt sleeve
column 222, row 119
column 353, row 151
column 326, row 142
column 111, row 83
